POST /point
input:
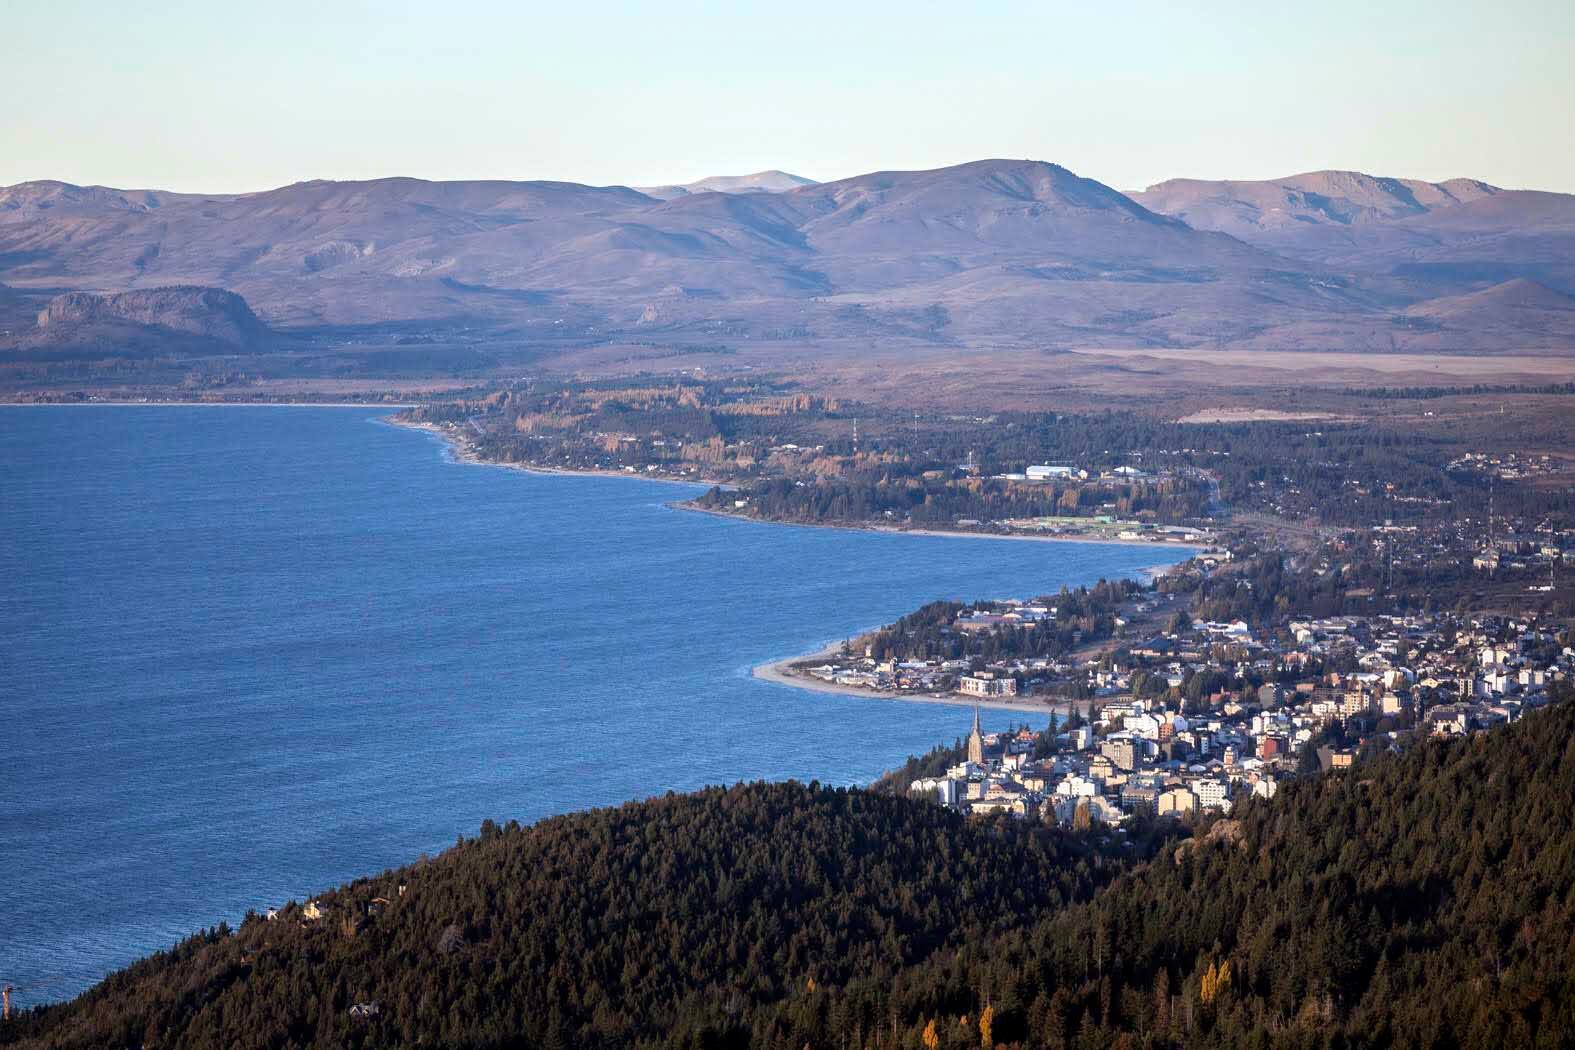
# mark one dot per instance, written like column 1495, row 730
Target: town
column 1220, row 714
column 1398, row 568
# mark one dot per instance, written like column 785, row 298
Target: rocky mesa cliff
column 190, row 317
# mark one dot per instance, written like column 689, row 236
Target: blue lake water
column 249, row 653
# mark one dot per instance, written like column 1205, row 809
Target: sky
column 188, row 96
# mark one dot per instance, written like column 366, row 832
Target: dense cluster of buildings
column 1137, row 758
column 1508, row 466
column 1162, row 756
column 1389, row 664
column 999, row 680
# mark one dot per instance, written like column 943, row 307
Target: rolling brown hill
column 1520, row 312
column 1283, row 209
column 1442, row 238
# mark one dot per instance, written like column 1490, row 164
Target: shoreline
column 781, row 672
column 463, row 452
column 390, row 405
column 950, row 534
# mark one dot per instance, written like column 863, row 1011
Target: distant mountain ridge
column 1445, row 237
column 772, row 181
column 1340, row 197
column 27, row 199
column 992, row 253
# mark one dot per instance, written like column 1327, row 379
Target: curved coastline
column 533, row 566
column 783, row 671
column 464, row 452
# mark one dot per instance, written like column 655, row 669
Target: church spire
column 976, row 739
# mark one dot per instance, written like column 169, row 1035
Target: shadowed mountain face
column 989, row 254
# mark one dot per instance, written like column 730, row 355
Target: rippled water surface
column 248, row 653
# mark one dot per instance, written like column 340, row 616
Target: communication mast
column 1492, row 490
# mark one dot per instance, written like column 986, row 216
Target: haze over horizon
column 186, row 99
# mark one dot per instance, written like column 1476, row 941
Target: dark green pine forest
column 1425, row 899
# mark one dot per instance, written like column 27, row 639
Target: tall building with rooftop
column 976, row 740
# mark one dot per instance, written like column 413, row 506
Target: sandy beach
column 781, row 672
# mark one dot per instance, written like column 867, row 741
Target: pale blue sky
column 182, row 95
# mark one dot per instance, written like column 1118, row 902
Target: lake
column 249, row 653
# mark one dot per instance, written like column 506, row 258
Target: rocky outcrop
column 182, row 318
column 1228, row 832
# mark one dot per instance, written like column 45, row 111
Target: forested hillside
column 1421, row 900
column 1424, row 900
column 676, row 919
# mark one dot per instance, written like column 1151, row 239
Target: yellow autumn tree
column 931, row 1037
column 1216, row 979
column 986, row 1023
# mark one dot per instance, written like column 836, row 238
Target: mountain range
column 986, row 255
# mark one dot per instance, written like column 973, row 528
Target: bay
column 251, row 652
